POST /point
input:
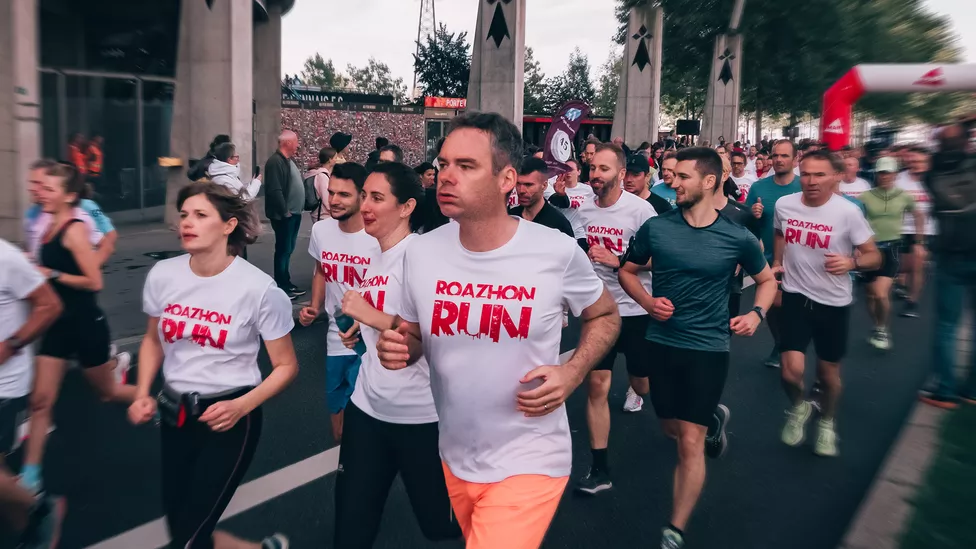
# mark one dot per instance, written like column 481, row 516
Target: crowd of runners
column 443, row 363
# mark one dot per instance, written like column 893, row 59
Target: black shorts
column 13, row 412
column 83, row 336
column 631, row 344
column 804, row 319
column 889, row 262
column 686, row 384
column 908, row 240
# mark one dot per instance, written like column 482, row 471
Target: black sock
column 600, row 460
column 676, row 529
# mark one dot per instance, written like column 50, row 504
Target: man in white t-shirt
column 912, row 258
column 850, row 184
column 483, row 301
column 611, row 220
column 28, row 305
column 343, row 252
column 743, row 179
column 569, row 195
column 816, row 233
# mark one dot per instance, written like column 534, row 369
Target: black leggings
column 201, row 471
column 371, row 455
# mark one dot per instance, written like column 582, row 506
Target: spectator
column 391, row 153
column 284, row 202
column 96, row 159
column 198, row 169
column 427, row 173
column 327, row 161
column 340, row 141
column 225, row 170
column 76, row 153
column 374, row 155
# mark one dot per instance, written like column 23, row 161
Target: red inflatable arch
column 839, row 100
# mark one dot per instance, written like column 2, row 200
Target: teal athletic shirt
column 770, row 192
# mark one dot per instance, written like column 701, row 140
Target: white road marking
column 248, row 496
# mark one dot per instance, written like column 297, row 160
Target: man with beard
column 762, row 200
column 532, row 206
column 664, row 189
column 636, row 182
column 342, row 251
column 611, row 220
column 691, row 252
column 569, row 195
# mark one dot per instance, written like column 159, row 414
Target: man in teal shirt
column 663, row 189
column 762, row 199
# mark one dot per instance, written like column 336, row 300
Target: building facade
column 147, row 79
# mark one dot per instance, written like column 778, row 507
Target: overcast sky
column 352, row 32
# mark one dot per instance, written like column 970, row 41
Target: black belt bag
column 178, row 409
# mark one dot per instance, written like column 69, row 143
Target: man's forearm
column 46, row 307
column 597, row 335
column 766, row 294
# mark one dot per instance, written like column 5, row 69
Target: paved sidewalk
column 125, row 273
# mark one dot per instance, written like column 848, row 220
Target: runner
column 692, row 252
column 886, row 205
column 612, row 220
column 742, row 178
column 636, row 182
column 343, row 253
column 816, row 233
column 569, row 195
column 533, row 206
column 390, row 423
column 850, row 184
column 664, row 188
column 913, row 264
column 506, row 462
column 208, row 312
column 67, row 260
column 762, row 200
column 28, row 306
column 589, row 149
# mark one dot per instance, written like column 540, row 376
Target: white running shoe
column 123, row 363
column 633, row 402
column 794, row 432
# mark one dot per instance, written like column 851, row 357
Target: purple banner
column 558, row 146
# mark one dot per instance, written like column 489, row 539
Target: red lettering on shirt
column 378, row 302
column 806, row 233
column 345, row 258
column 450, row 318
column 196, row 313
column 496, row 292
column 599, row 229
column 201, row 334
column 576, row 201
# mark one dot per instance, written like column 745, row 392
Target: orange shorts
column 512, row 514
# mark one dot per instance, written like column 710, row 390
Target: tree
column 443, row 64
column 375, row 78
column 319, row 72
column 574, row 83
column 534, row 87
column 609, row 83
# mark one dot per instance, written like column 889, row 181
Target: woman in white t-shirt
column 390, row 424
column 208, row 311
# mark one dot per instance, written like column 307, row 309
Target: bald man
column 283, row 204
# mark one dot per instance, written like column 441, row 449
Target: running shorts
column 805, row 320
column 908, row 240
column 80, row 335
column 13, row 412
column 686, row 384
column 631, row 344
column 889, row 262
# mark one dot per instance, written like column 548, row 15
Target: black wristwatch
column 759, row 311
column 15, row 343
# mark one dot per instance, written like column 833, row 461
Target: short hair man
column 391, row 153
column 284, row 201
column 743, row 180
column 531, row 186
column 664, row 188
column 637, row 181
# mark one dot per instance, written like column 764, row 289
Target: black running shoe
column 910, row 310
column 772, row 361
column 900, row 293
column 594, row 483
column 716, row 441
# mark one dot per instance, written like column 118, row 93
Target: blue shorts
column 340, row 379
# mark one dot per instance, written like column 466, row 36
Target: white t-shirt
column 923, row 202
column 487, row 319
column 751, row 167
column 345, row 258
column 513, row 200
column 612, row 228
column 744, row 183
column 578, row 195
column 18, row 279
column 210, row 326
column 854, row 188
column 837, row 227
column 796, row 170
column 394, row 396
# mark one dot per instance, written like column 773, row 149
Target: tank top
column 55, row 256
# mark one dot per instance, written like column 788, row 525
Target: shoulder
column 323, row 228
column 9, row 252
column 172, row 269
column 249, row 277
column 433, row 242
column 788, row 201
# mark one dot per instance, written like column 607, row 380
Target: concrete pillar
column 721, row 117
column 267, row 84
column 214, row 85
column 637, row 114
column 20, row 115
column 498, row 59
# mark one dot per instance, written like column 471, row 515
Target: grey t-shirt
column 691, row 267
column 295, row 199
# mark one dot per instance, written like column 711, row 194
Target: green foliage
column 607, row 85
column 534, row 86
column 319, row 72
column 443, row 64
column 573, row 83
column 375, row 78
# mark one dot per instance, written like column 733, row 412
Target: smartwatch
column 759, row 311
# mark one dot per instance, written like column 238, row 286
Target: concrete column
column 498, row 59
column 214, row 85
column 267, row 84
column 637, row 114
column 721, row 117
column 20, row 115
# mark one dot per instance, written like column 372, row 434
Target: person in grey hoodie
column 225, row 169
column 284, row 200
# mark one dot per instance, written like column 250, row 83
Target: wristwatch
column 759, row 311
column 55, row 274
column 15, row 343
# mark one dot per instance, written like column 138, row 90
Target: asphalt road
column 763, row 494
